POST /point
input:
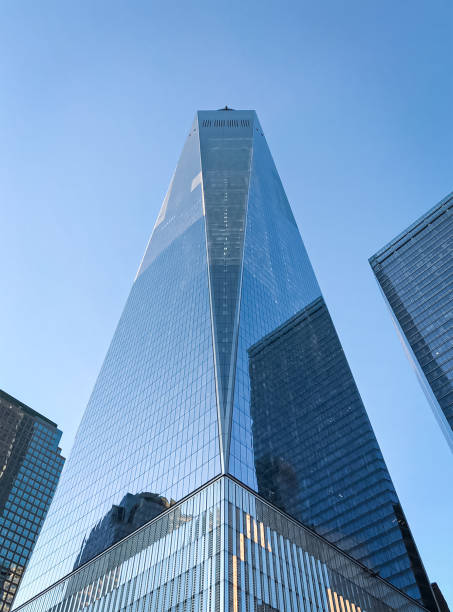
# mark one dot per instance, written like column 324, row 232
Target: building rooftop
column 25, row 408
column 417, row 226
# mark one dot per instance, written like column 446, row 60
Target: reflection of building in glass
column 415, row 273
column 171, row 408
column 131, row 513
column 30, row 465
column 315, row 451
column 119, row 523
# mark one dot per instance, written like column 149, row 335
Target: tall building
column 186, row 419
column 30, row 466
column 316, row 455
column 415, row 273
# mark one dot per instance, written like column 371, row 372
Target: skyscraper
column 30, row 466
column 180, row 412
column 415, row 273
column 316, row 455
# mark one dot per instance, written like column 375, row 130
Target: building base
column 222, row 548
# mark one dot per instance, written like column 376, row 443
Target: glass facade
column 151, row 422
column 223, row 548
column 415, row 273
column 30, row 466
column 316, row 455
column 175, row 405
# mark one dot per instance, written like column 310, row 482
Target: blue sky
column 355, row 98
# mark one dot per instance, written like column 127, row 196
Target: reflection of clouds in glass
column 182, row 205
column 196, row 181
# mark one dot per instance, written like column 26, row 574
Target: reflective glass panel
column 415, row 273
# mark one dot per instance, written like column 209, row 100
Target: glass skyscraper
column 316, row 455
column 30, row 466
column 415, row 273
column 226, row 421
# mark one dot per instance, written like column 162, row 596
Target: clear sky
column 96, row 98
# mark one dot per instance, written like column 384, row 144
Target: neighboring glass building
column 415, row 273
column 175, row 406
column 30, row 466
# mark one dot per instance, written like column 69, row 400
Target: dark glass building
column 440, row 599
column 181, row 421
column 316, row 455
column 415, row 273
column 30, row 466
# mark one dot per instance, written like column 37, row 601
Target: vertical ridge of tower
column 226, row 148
